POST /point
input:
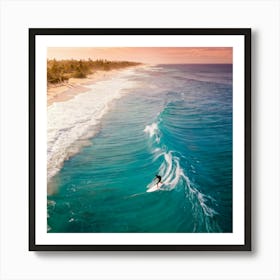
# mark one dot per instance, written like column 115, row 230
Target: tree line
column 59, row 71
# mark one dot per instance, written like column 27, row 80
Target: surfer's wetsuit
column 159, row 178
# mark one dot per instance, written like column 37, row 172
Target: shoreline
column 65, row 91
column 75, row 118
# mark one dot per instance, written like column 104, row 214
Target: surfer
column 159, row 179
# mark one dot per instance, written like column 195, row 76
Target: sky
column 149, row 55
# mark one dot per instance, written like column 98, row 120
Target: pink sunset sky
column 150, row 55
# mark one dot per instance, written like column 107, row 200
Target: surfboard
column 155, row 187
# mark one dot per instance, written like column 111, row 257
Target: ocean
column 174, row 121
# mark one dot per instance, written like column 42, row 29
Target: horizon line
column 104, row 59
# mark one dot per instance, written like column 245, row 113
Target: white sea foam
column 151, row 129
column 72, row 122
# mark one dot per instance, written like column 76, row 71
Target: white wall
column 17, row 262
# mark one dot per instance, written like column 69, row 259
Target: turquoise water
column 176, row 123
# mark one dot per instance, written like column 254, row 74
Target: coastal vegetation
column 59, row 71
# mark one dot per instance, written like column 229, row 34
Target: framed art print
column 140, row 139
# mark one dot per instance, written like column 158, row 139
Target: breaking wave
column 175, row 177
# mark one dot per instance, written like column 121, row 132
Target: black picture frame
column 245, row 33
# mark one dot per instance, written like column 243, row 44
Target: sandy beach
column 67, row 90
